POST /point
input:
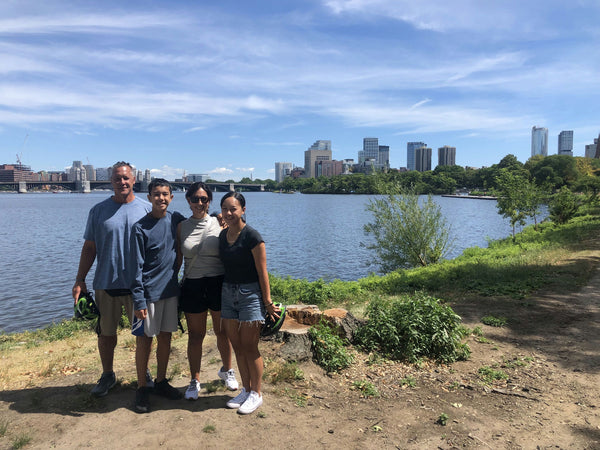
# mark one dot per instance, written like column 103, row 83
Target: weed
column 408, row 381
column 413, row 327
column 176, row 370
column 367, row 388
column 477, row 331
column 129, row 343
column 442, row 419
column 21, row 441
column 488, row 374
column 454, row 385
column 300, row 400
column 3, row 427
column 287, row 371
column 213, row 386
column 262, row 414
column 209, row 428
column 328, row 348
column 374, row 358
column 483, row 340
column 515, row 362
column 493, row 321
column 214, row 360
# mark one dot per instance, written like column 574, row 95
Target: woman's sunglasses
column 196, row 199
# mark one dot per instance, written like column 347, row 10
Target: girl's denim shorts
column 242, row 302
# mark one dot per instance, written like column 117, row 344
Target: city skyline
column 228, row 89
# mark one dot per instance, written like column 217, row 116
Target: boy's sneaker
column 191, row 393
column 238, row 400
column 251, row 404
column 142, row 404
column 164, row 389
column 149, row 380
column 228, row 376
column 106, row 381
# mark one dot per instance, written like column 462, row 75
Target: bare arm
column 86, row 260
column 260, row 260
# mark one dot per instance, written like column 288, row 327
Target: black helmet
column 85, row 307
column 272, row 326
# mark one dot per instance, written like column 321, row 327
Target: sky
column 228, row 88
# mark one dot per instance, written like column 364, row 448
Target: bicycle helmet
column 85, row 307
column 272, row 326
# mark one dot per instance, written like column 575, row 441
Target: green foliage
column 21, row 441
column 563, row 206
column 287, row 371
column 407, row 232
column 493, row 321
column 329, row 350
column 443, row 419
column 411, row 328
column 488, row 374
column 367, row 388
column 409, row 381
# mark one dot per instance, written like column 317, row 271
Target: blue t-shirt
column 154, row 252
column 109, row 226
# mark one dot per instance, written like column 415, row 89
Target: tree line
column 549, row 173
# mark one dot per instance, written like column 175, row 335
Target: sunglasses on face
column 196, row 199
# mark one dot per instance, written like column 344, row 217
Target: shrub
column 411, row 328
column 328, row 348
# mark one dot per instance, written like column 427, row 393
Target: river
column 307, row 236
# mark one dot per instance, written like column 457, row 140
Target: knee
column 196, row 337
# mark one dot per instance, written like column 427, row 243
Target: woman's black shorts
column 201, row 294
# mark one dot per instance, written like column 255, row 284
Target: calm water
column 307, row 236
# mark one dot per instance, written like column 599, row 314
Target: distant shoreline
column 476, row 197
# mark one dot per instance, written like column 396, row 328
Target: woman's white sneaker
column 228, row 376
column 251, row 404
column 238, row 400
column 191, row 393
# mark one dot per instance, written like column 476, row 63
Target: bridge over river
column 140, row 186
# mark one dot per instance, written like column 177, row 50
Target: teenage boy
column 155, row 289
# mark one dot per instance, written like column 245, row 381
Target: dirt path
column 550, row 351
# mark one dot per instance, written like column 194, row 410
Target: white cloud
column 221, row 171
column 245, row 169
column 169, row 173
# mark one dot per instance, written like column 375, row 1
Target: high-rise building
column 328, row 168
column 77, row 172
column 422, row 159
column 565, row 143
column 319, row 151
column 90, row 173
column 282, row 170
column 539, row 141
column 102, row 174
column 384, row 156
column 370, row 150
column 410, row 153
column 446, row 156
column 194, row 177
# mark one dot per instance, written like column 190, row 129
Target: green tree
column 408, row 232
column 511, row 191
column 563, row 206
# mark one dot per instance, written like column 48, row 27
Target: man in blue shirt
column 155, row 288
column 107, row 240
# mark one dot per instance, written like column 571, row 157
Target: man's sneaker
column 229, row 377
column 142, row 405
column 149, row 380
column 238, row 400
column 191, row 393
column 106, row 381
column 251, row 404
column 166, row 390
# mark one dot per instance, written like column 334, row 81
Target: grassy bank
column 556, row 257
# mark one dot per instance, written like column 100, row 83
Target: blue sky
column 228, row 88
